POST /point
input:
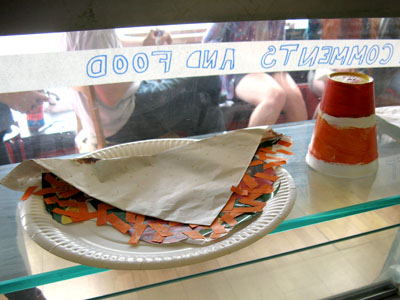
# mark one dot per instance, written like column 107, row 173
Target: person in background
column 334, row 29
column 12, row 263
column 19, row 101
column 387, row 80
column 313, row 30
column 148, row 109
column 270, row 93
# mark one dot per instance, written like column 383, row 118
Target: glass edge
column 30, row 281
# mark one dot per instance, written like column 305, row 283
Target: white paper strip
column 49, row 70
column 362, row 122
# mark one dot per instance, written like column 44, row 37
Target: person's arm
column 154, row 37
column 23, row 101
column 273, row 30
column 157, row 37
column 111, row 93
column 215, row 33
column 127, row 41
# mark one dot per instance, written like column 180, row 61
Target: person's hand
column 157, row 37
column 23, row 101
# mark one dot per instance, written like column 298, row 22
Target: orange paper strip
column 262, row 155
column 252, row 202
column 247, row 209
column 83, row 207
column 158, row 238
column 229, row 205
column 276, row 158
column 218, row 228
column 101, row 217
column 171, row 223
column 104, row 206
column 139, row 219
column 285, row 152
column 84, row 217
column 68, row 194
column 266, row 176
column 160, row 229
column 284, row 143
column 68, row 213
column 214, row 235
column 139, row 229
column 130, row 217
column 253, row 196
column 273, row 164
column 229, row 219
column 51, row 200
column 65, row 203
column 194, row 235
column 267, row 150
column 264, row 189
column 29, row 192
column 53, row 181
column 239, row 191
column 118, row 223
column 45, row 191
column 256, row 162
column 249, row 181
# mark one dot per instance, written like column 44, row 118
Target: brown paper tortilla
column 188, row 184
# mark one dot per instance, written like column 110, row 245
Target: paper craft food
column 344, row 142
column 69, row 205
column 161, row 179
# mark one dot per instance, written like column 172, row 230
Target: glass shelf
column 365, row 260
column 370, row 203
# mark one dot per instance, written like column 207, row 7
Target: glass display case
column 88, row 78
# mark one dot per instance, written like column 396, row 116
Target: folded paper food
column 188, row 184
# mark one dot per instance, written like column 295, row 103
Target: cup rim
column 368, row 79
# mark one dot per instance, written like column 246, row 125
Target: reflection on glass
column 65, row 120
column 82, row 119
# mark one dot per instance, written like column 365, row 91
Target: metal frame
column 27, row 16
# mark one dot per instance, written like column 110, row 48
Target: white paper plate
column 104, row 247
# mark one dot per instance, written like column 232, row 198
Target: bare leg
column 295, row 107
column 266, row 94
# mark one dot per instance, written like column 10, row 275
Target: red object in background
column 15, row 145
column 310, row 99
column 35, row 118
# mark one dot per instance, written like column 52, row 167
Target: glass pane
column 73, row 120
column 67, row 124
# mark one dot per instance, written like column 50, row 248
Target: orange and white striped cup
column 344, row 141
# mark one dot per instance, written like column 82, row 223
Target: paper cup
column 344, row 141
